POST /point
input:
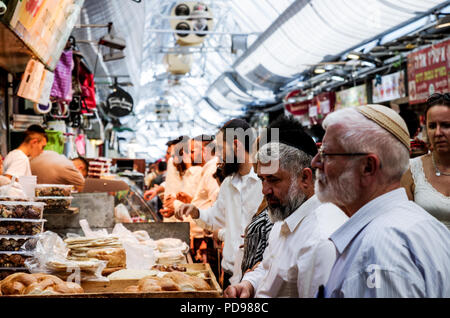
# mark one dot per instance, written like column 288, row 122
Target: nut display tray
column 14, row 259
column 53, row 202
column 21, row 226
column 53, row 190
column 13, row 243
column 21, row 210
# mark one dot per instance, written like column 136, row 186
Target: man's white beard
column 295, row 198
column 341, row 191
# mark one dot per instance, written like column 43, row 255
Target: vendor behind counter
column 53, row 168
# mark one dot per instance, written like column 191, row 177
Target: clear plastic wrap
column 15, row 198
column 50, row 256
column 139, row 256
column 53, row 190
column 55, row 202
column 21, row 210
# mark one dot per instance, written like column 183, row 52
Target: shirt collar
column 371, row 210
column 293, row 220
column 237, row 180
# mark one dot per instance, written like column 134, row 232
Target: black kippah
column 291, row 133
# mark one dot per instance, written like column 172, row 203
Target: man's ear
column 371, row 165
column 306, row 178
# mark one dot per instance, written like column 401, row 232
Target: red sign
column 297, row 108
column 428, row 72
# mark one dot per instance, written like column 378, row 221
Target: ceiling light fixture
column 443, row 22
column 319, row 70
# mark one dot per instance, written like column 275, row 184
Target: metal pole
column 197, row 32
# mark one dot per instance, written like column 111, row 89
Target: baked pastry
column 187, row 282
column 170, row 257
column 37, row 284
column 132, row 289
column 14, row 284
column 169, row 268
column 116, row 257
column 127, row 274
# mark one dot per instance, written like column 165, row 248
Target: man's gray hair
column 360, row 134
column 290, row 158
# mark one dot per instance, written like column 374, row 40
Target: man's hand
column 184, row 197
column 186, row 210
column 242, row 290
column 167, row 212
column 153, row 192
column 168, row 202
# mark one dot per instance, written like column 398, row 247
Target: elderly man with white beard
column 390, row 247
column 299, row 256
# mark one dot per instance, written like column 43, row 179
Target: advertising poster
column 45, row 26
column 392, row 87
column 352, row 97
column 428, row 72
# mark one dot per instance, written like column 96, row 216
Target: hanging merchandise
column 86, row 78
column 55, row 141
column 44, row 105
column 119, row 103
column 62, row 84
column 81, row 145
column 60, row 110
column 31, row 81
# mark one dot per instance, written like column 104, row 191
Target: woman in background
column 427, row 182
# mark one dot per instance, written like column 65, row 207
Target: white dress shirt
column 189, row 184
column 17, row 164
column 173, row 183
column 391, row 247
column 208, row 188
column 238, row 200
column 299, row 255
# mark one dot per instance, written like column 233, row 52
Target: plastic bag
column 50, row 256
column 139, row 255
column 121, row 214
column 12, row 189
column 89, row 233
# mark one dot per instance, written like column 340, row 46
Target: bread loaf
column 188, row 282
column 116, row 257
column 37, row 284
column 174, row 281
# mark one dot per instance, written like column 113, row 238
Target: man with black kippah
column 299, row 256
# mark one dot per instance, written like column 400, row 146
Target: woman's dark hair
column 412, row 121
column 437, row 99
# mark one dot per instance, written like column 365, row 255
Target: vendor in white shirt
column 299, row 257
column 239, row 196
column 17, row 162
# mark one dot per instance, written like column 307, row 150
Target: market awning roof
column 311, row 30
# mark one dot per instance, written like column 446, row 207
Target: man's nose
column 316, row 162
column 438, row 131
column 267, row 189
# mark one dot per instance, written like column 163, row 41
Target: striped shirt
column 391, row 247
column 255, row 240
